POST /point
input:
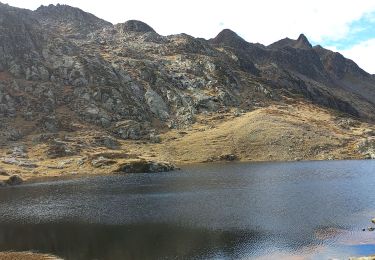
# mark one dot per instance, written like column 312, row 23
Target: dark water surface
column 302, row 210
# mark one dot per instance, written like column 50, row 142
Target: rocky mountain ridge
column 63, row 71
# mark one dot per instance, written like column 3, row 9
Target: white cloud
column 262, row 21
column 363, row 55
column 257, row 21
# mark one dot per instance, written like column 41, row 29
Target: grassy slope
column 277, row 133
column 299, row 131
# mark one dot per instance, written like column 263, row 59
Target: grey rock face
column 156, row 104
column 108, row 142
column 135, row 26
column 129, row 129
column 69, row 20
column 60, row 65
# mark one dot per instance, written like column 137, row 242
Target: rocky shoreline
column 132, row 166
column 276, row 133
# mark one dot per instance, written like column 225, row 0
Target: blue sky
column 359, row 43
column 360, row 30
column 347, row 26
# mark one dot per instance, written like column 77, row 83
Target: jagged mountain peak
column 227, row 33
column 65, row 18
column 63, row 11
column 135, row 26
column 229, row 38
column 3, row 5
column 301, row 43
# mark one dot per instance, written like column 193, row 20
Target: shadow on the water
column 148, row 241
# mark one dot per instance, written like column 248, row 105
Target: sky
column 346, row 26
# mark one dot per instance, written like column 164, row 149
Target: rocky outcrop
column 130, row 129
column 301, row 43
column 367, row 147
column 58, row 149
column 102, row 162
column 135, row 26
column 144, row 166
column 70, row 21
column 229, row 38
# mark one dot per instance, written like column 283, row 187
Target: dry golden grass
column 26, row 256
column 299, row 131
column 273, row 133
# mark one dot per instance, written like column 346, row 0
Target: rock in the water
column 144, row 166
column 14, row 180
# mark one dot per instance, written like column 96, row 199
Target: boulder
column 3, row 172
column 367, row 148
column 129, row 129
column 154, row 138
column 58, row 149
column 144, row 166
column 14, row 180
column 228, row 157
column 347, row 123
column 19, row 162
column 46, row 137
column 107, row 142
column 19, row 152
column 102, row 162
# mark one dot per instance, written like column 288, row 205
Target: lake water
column 297, row 210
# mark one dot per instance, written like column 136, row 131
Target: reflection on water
column 95, row 241
column 304, row 210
